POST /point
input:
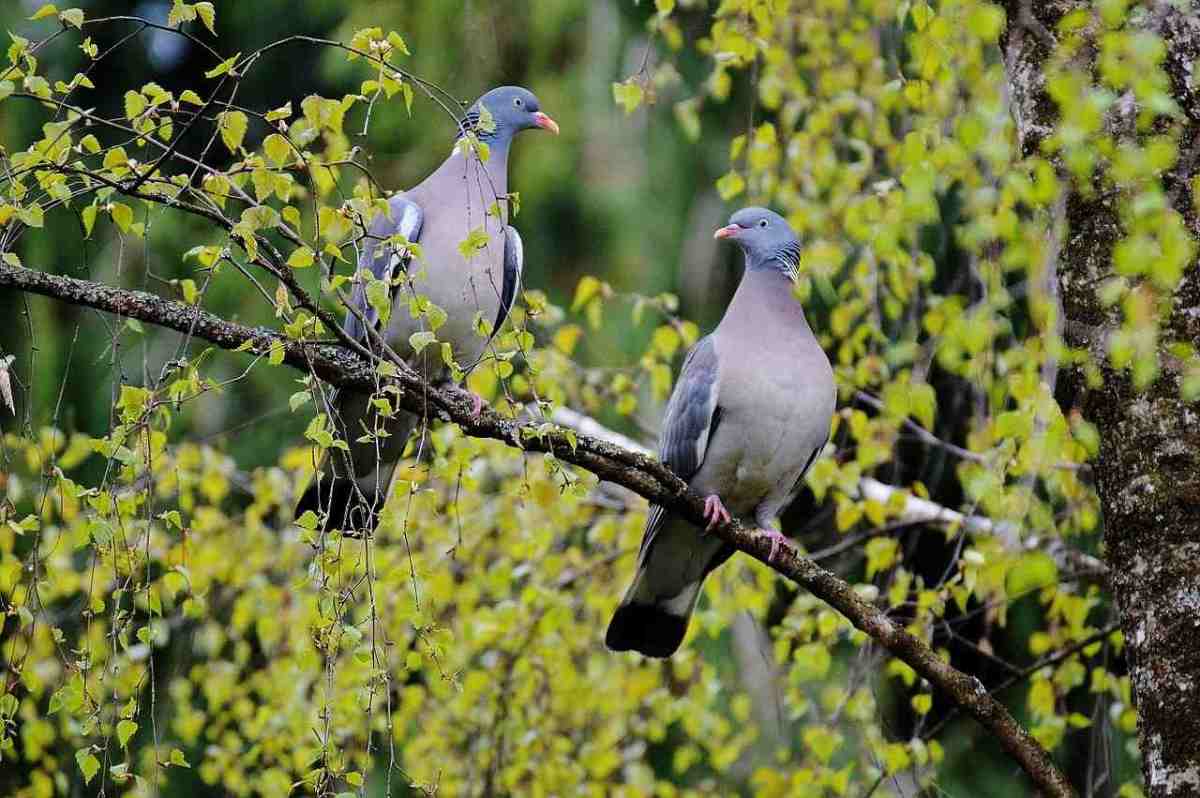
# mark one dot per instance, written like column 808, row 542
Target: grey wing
column 382, row 259
column 691, row 419
column 812, row 458
column 691, row 412
column 514, row 263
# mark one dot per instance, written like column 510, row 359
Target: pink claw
column 776, row 537
column 715, row 512
column 476, row 406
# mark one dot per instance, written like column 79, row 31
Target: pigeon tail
column 649, row 629
column 343, row 505
column 654, row 615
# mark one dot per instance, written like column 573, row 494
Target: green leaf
column 277, row 149
column 125, row 730
column 730, row 185
column 45, row 11
column 476, row 240
column 208, row 16
column 1034, row 571
column 122, row 215
column 881, row 554
column 397, row 41
column 72, row 17
column 177, row 758
column 302, row 258
column 487, row 122
column 587, row 288
column 89, row 220
column 233, row 126
column 811, row 662
column 628, row 95
column 6, row 88
column 420, row 340
column 379, row 296
column 223, row 67
column 282, row 112
column 135, row 104
column 89, row 765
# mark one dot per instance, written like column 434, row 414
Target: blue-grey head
column 765, row 237
column 510, row 109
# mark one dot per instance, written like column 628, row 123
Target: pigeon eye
column 762, row 222
column 518, row 102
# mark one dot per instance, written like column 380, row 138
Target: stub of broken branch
column 627, row 465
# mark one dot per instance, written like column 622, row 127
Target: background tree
column 1127, row 275
column 168, row 628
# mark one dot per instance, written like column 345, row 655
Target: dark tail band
column 647, row 629
column 343, row 505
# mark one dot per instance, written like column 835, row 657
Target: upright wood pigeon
column 750, row 413
column 471, row 268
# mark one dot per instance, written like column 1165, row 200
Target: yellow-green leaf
column 72, row 17
column 302, row 258
column 89, row 765
column 125, row 730
column 277, row 149
column 223, row 67
column 208, row 16
column 122, row 215
column 628, row 95
column 233, row 126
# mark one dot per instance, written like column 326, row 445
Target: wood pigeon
column 749, row 415
column 470, row 268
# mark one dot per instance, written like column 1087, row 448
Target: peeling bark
column 1148, row 470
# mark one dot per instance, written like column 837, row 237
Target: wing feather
column 691, row 419
column 381, row 259
column 514, row 264
column 691, row 412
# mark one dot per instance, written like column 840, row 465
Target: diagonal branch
column 631, row 469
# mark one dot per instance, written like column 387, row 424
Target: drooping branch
column 631, row 469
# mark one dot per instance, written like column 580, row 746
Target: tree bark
column 1148, row 469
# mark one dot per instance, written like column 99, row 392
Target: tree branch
column 915, row 511
column 632, row 469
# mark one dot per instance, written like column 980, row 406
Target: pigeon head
column 765, row 237
column 511, row 110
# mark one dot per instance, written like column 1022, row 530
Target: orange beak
column 545, row 122
column 728, row 231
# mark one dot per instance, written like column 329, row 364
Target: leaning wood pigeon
column 470, row 269
column 750, row 413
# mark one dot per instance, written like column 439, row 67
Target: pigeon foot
column 476, row 406
column 776, row 537
column 715, row 512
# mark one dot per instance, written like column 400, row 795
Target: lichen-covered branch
column 632, row 469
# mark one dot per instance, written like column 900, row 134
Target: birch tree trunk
column 1148, row 470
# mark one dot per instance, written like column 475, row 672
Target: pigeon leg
column 477, row 402
column 766, row 525
column 714, row 512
